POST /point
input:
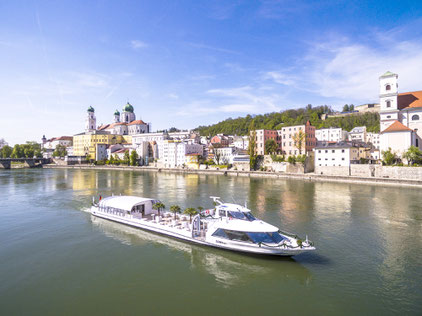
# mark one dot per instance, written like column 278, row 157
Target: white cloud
column 349, row 71
column 137, row 44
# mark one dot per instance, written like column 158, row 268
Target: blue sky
column 190, row 63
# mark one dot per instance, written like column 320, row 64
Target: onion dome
column 91, row 109
column 128, row 108
column 117, row 112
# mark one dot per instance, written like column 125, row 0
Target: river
column 55, row 258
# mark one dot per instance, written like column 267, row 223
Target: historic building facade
column 400, row 116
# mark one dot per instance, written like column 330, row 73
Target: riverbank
column 258, row 174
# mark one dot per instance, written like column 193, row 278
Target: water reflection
column 227, row 268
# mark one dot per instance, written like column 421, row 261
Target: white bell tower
column 91, row 121
column 389, row 111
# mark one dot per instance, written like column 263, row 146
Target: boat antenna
column 216, row 199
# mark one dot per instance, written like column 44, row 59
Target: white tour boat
column 228, row 226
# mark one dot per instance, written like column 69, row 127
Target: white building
column 101, row 152
column 331, row 134
column 400, row 116
column 358, row 134
column 373, row 139
column 339, row 154
column 125, row 123
column 2, row 143
column 241, row 142
column 173, row 152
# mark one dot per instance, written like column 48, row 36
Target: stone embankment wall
column 372, row 171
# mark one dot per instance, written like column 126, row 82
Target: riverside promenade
column 258, row 174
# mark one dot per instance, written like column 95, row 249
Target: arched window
column 415, row 117
column 388, row 87
column 388, row 104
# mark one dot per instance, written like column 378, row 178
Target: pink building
column 290, row 146
column 220, row 139
column 262, row 136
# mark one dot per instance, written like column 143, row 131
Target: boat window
column 247, row 216
column 269, row 238
column 239, row 236
column 223, row 213
column 220, row 233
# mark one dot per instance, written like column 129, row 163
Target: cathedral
column 124, row 123
column 400, row 116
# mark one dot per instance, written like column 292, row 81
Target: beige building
column 290, row 146
column 86, row 143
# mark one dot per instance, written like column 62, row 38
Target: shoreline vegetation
column 258, row 174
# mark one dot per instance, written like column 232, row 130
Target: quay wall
column 372, row 171
column 339, row 177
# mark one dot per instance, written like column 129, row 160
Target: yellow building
column 86, row 143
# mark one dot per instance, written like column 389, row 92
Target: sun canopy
column 124, row 202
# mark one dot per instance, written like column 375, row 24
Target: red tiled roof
column 409, row 100
column 137, row 122
column 396, row 127
column 64, row 138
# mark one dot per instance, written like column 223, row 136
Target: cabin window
column 220, row 233
column 270, row 238
column 415, row 117
column 243, row 216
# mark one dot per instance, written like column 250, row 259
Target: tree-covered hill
column 276, row 120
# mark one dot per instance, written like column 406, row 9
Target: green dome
column 117, row 112
column 91, row 109
column 128, row 108
column 388, row 74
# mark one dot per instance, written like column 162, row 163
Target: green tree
column 17, row 152
column 191, row 212
column 133, row 158
column 6, row 151
column 175, row 209
column 413, row 155
column 291, row 159
column 158, row 206
column 60, row 151
column 351, row 107
column 389, row 157
column 126, row 158
column 346, row 108
column 270, row 147
column 299, row 140
column 252, row 146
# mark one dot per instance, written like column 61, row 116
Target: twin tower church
column 124, row 123
column 400, row 116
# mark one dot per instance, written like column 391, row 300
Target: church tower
column 117, row 117
column 91, row 121
column 127, row 115
column 389, row 111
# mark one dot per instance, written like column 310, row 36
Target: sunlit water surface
column 56, row 258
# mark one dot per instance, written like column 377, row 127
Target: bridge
column 5, row 163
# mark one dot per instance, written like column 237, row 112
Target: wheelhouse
column 233, row 211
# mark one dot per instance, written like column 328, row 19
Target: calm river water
column 56, row 258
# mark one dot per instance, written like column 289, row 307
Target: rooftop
column 396, row 127
column 409, row 100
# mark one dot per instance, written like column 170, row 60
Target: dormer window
column 388, row 87
column 415, row 117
